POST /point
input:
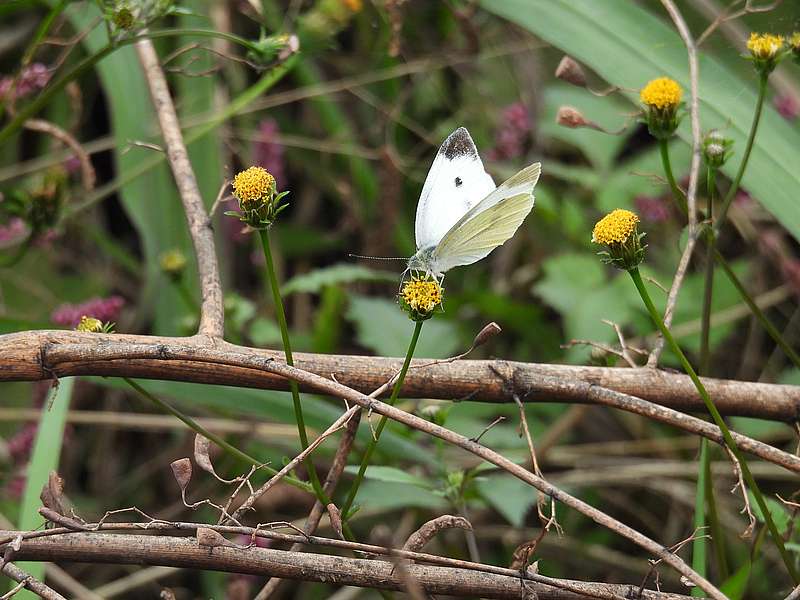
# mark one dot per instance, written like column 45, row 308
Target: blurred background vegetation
column 351, row 130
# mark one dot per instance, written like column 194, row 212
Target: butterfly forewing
column 456, row 183
column 490, row 223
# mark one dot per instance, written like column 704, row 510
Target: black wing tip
column 459, row 143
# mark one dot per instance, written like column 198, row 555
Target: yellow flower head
column 172, row 262
column 764, row 45
column 420, row 297
column 90, row 325
column 662, row 93
column 354, row 5
column 615, row 228
column 253, row 187
column 794, row 41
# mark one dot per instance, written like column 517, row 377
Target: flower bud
column 569, row 116
column 618, row 231
column 173, row 263
column 716, row 149
column 570, row 71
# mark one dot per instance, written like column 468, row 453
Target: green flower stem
column 699, row 544
column 720, row 422
column 680, row 200
column 717, row 533
column 197, row 428
column 287, row 351
column 708, row 287
column 90, row 61
column 759, row 314
column 677, row 193
column 726, row 203
column 351, row 496
column 186, row 295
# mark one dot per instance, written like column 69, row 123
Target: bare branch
column 212, row 320
column 27, row 581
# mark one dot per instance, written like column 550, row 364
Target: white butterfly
column 461, row 215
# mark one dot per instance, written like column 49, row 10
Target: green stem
column 699, row 560
column 720, row 422
column 186, row 295
column 677, row 193
column 90, row 61
column 717, row 533
column 759, row 314
column 680, row 201
column 287, row 351
column 373, row 443
column 726, row 203
column 197, row 428
column 708, row 288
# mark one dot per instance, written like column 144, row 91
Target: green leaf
column 736, row 585
column 383, row 327
column 381, row 495
column 628, row 46
column 337, row 274
column 390, row 475
column 510, row 496
column 780, row 515
column 44, row 458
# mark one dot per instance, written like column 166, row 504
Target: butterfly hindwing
column 455, row 183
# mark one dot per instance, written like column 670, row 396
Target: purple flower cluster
column 268, row 153
column 33, row 78
column 787, row 105
column 105, row 309
column 509, row 141
column 652, row 209
column 13, row 232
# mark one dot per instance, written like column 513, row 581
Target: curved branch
column 478, row 380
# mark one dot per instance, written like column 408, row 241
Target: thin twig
column 212, row 319
column 694, row 171
column 88, row 177
column 746, row 508
column 40, row 589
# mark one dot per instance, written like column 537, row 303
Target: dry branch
column 336, row 570
column 211, row 307
column 42, row 355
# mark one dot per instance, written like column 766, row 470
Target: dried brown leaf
column 336, row 519
column 52, row 495
column 212, row 539
column 182, row 470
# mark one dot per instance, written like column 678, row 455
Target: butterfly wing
column 488, row 224
column 455, row 183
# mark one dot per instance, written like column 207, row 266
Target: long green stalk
column 197, row 428
column 699, row 545
column 708, row 283
column 677, row 193
column 287, row 352
column 726, row 203
column 720, row 422
column 772, row 331
column 373, row 443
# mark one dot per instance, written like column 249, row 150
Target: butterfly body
column 461, row 215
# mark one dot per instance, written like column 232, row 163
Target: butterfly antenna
column 377, row 257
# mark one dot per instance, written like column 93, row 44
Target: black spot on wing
column 459, row 143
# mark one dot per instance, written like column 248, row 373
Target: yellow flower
column 794, row 41
column 421, row 297
column 615, row 228
column 764, row 45
column 662, row 93
column 354, row 5
column 172, row 262
column 90, row 325
column 253, row 187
